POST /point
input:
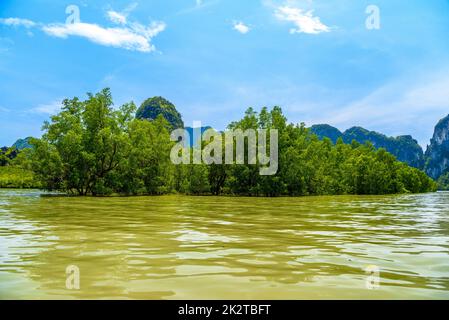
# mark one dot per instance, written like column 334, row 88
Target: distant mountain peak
column 357, row 129
column 151, row 108
column 437, row 152
column 405, row 148
column 325, row 130
column 21, row 144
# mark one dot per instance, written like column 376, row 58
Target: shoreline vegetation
column 15, row 177
column 92, row 149
column 56, row 194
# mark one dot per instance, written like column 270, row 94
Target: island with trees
column 92, row 148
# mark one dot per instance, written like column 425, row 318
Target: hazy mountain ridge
column 10, row 153
column 21, row 144
column 405, row 148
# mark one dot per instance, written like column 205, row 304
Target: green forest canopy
column 90, row 148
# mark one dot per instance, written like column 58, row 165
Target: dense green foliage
column 90, row 148
column 15, row 170
column 405, row 148
column 17, row 177
column 7, row 155
column 443, row 182
column 153, row 107
column 309, row 166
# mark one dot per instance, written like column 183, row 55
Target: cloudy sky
column 315, row 58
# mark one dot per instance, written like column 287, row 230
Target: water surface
column 179, row 247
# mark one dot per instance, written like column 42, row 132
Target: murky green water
column 178, row 247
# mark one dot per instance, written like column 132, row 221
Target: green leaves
column 16, row 177
column 92, row 148
column 82, row 145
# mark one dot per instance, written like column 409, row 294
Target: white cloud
column 121, row 17
column 199, row 5
column 51, row 108
column 117, row 17
column 129, row 35
column 16, row 22
column 3, row 109
column 305, row 21
column 136, row 37
column 241, row 27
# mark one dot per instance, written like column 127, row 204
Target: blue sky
column 213, row 59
